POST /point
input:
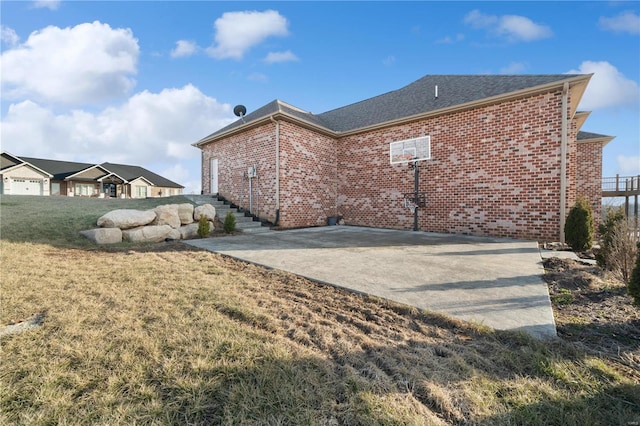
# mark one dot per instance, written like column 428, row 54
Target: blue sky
column 139, row 82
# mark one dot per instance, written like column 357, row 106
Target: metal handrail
column 621, row 184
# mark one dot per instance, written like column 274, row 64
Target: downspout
column 277, row 220
column 563, row 159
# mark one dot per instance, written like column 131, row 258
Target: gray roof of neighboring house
column 63, row 169
column 59, row 169
column 413, row 99
column 131, row 172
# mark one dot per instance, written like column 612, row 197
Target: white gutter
column 563, row 159
column 277, row 123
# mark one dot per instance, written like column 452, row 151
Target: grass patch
column 563, row 297
column 58, row 220
column 167, row 334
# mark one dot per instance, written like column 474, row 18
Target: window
column 55, row 188
column 85, row 189
column 141, row 191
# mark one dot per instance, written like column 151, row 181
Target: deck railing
column 620, row 186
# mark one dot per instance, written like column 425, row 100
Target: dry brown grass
column 166, row 334
column 170, row 335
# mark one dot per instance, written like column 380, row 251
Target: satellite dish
column 239, row 110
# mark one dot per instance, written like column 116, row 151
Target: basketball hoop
column 410, row 204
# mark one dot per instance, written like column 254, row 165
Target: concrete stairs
column 243, row 223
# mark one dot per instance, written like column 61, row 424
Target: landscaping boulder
column 188, row 231
column 206, row 210
column 103, row 235
column 126, row 218
column 150, row 234
column 185, row 212
column 167, row 215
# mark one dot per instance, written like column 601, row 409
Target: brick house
column 508, row 158
column 37, row 176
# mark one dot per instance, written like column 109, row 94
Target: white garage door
column 26, row 186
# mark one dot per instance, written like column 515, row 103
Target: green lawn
column 167, row 334
column 58, row 220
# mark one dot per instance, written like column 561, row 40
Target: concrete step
column 261, row 230
column 251, row 227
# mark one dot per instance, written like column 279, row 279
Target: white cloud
column 257, row 76
column 150, row 128
column 88, row 63
column 183, row 173
column 237, row 32
column 513, row 68
column 512, row 27
column 389, row 60
column 184, row 48
column 8, row 36
column 629, row 165
column 286, row 56
column 608, row 86
column 449, row 40
column 48, row 4
column 625, row 22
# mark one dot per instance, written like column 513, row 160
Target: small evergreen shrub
column 204, row 227
column 229, row 223
column 607, row 229
column 634, row 282
column 578, row 229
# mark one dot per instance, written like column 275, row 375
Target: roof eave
column 88, row 168
column 26, row 163
column 264, row 120
column 604, row 140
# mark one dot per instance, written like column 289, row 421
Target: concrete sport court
column 493, row 281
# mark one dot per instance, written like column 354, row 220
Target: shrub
column 613, row 215
column 634, row 282
column 618, row 245
column 578, row 229
column 204, row 227
column 229, row 223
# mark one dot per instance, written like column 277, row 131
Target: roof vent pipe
column 436, row 94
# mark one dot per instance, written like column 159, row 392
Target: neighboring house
column 36, row 176
column 507, row 158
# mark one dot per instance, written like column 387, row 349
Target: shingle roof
column 420, row 97
column 63, row 169
column 131, row 172
column 59, row 169
column 413, row 99
column 269, row 109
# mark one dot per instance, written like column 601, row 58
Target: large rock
column 191, row 230
column 167, row 215
column 185, row 211
column 150, row 234
column 188, row 231
column 206, row 210
column 126, row 218
column 103, row 235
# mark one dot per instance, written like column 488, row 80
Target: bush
column 578, row 229
column 204, row 227
column 229, row 223
column 618, row 245
column 634, row 282
column 613, row 215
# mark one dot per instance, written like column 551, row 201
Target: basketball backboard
column 410, row 150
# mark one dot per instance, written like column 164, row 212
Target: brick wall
column 589, row 176
column 494, row 171
column 308, row 176
column 235, row 154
